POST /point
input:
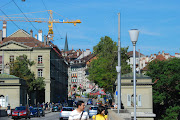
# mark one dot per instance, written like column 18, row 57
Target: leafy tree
column 21, row 68
column 103, row 69
column 166, row 76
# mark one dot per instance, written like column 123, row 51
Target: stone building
column 142, row 61
column 47, row 57
column 78, row 73
column 144, row 97
column 12, row 91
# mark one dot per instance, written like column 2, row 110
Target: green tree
column 166, row 76
column 102, row 70
column 21, row 68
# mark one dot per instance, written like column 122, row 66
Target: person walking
column 100, row 114
column 8, row 110
column 79, row 113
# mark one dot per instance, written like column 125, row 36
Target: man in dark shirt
column 8, row 110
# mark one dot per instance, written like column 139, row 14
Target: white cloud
column 146, row 32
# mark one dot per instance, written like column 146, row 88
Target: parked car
column 41, row 110
column 93, row 110
column 99, row 103
column 33, row 112
column 90, row 102
column 55, row 108
column 37, row 111
column 65, row 112
column 21, row 112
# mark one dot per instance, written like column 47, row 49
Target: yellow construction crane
column 50, row 21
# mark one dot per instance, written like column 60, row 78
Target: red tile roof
column 130, row 54
column 28, row 41
column 160, row 57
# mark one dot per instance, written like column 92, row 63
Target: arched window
column 2, row 101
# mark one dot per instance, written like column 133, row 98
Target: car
column 99, row 103
column 55, row 108
column 33, row 112
column 41, row 110
column 37, row 111
column 92, row 110
column 65, row 112
column 90, row 102
column 21, row 112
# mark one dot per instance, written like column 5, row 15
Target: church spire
column 66, row 44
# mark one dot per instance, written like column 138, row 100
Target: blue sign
column 116, row 92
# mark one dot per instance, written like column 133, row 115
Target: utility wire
column 6, row 4
column 25, row 15
column 10, row 19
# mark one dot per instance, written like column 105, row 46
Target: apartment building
column 47, row 57
column 142, row 61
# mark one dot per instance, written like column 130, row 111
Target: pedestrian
column 100, row 114
column 8, row 110
column 30, row 106
column 106, row 108
column 79, row 113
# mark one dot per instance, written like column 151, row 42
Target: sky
column 157, row 21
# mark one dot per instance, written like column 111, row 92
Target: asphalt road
column 51, row 115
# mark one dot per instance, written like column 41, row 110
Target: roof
column 160, row 57
column 138, row 76
column 28, row 41
column 2, row 76
column 84, row 59
column 130, row 54
column 145, row 68
column 25, row 33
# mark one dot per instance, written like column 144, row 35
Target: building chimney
column 87, row 52
column 40, row 35
column 163, row 53
column 45, row 41
column 4, row 29
column 77, row 53
column 36, row 36
column 159, row 53
column 82, row 53
column 31, row 32
column 154, row 55
column 0, row 36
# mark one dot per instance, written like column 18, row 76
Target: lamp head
column 134, row 33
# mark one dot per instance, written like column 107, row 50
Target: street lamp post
column 118, row 68
column 134, row 33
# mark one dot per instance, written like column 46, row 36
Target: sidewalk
column 47, row 111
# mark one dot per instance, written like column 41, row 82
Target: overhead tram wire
column 51, row 18
column 6, row 4
column 25, row 15
column 10, row 19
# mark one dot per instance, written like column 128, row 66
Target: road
column 51, row 115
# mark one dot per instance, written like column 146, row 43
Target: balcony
column 40, row 64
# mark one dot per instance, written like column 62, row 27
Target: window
column 40, row 59
column 11, row 58
column 0, row 59
column 139, row 100
column 40, row 72
column 128, row 100
column 21, row 57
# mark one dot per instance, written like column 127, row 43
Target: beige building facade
column 144, row 100
column 48, row 62
column 12, row 91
